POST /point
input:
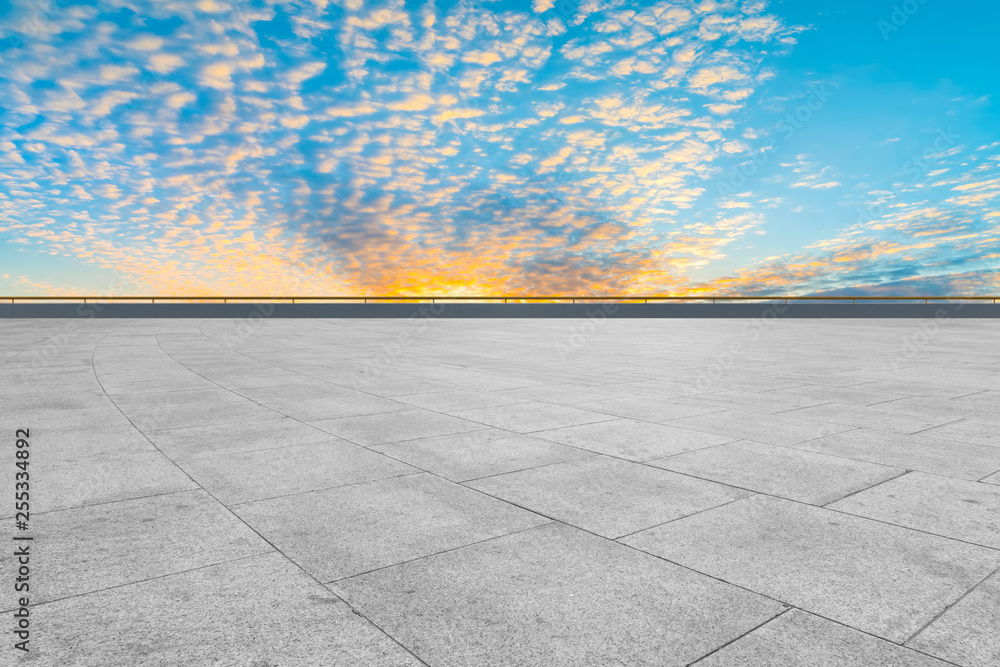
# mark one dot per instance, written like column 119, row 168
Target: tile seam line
column 792, row 607
column 771, row 444
column 148, row 579
column 324, row 489
column 780, row 601
column 905, row 471
column 325, row 441
column 983, row 479
column 463, row 482
column 888, row 414
column 953, row 421
column 279, row 417
column 115, row 502
column 757, row 627
column 669, row 521
column 755, row 492
column 612, row 416
column 951, row 606
column 849, row 458
column 417, row 559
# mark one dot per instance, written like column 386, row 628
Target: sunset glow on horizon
column 475, row 147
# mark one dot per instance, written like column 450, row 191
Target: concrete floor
column 288, row 493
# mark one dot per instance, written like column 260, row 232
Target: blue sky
column 355, row 147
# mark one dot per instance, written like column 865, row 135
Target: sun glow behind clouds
column 467, row 148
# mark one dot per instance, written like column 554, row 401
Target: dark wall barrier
column 501, row 310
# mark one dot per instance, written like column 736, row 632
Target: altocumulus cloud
column 461, row 147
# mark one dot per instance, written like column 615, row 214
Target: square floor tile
column 564, row 394
column 967, row 633
column 235, row 437
column 140, row 402
column 528, row 417
column 758, row 401
column 51, row 447
column 632, row 439
column 338, row 406
column 769, row 429
column 780, row 471
column 978, row 431
column 915, row 452
column 606, row 496
column 856, row 395
column 878, row 578
column 91, row 548
column 57, row 400
column 956, row 508
column 460, row 399
column 95, row 480
column 310, row 390
column 464, row 456
column 553, row 596
column 348, row 530
column 798, row 638
column 882, row 419
column 239, row 477
column 380, row 429
column 167, row 417
column 52, row 420
column 648, row 408
column 251, row 612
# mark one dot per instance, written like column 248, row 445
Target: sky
column 477, row 147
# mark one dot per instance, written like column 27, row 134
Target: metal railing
column 619, row 298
